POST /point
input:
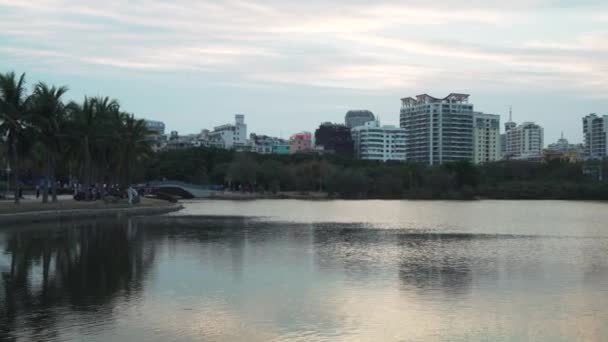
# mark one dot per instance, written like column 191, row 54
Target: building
column 437, row 130
column 595, row 132
column 524, row 142
column 354, row 118
column 334, row 138
column 264, row 144
column 156, row 134
column 375, row 142
column 281, row 149
column 300, row 142
column 230, row 136
column 486, row 138
column 155, row 127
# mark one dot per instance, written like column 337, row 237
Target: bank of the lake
column 30, row 212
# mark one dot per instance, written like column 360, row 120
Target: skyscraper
column 437, row 130
column 486, row 138
column 595, row 131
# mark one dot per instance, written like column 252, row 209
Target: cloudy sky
column 289, row 65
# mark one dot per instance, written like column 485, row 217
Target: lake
column 288, row 270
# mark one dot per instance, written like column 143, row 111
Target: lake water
column 313, row 271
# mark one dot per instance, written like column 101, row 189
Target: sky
column 290, row 65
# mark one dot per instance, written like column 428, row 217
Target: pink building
column 300, row 142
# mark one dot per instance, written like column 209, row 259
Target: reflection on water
column 184, row 278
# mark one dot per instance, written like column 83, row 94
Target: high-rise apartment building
column 356, row 118
column 524, row 142
column 438, row 130
column 375, row 142
column 486, row 138
column 595, row 131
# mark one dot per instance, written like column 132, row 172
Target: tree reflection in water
column 75, row 266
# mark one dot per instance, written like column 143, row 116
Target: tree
column 14, row 119
column 135, row 144
column 49, row 120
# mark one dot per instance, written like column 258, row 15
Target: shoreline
column 323, row 196
column 66, row 212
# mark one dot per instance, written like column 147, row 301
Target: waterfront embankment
column 30, row 212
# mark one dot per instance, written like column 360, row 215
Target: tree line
column 46, row 137
column 344, row 177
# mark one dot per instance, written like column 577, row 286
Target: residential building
column 264, row 144
column 437, row 130
column 354, row 118
column 155, row 127
column 334, row 138
column 281, row 149
column 300, row 142
column 524, row 142
column 156, row 134
column 230, row 136
column 595, row 132
column 486, row 138
column 375, row 142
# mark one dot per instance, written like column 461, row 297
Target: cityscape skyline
column 193, row 63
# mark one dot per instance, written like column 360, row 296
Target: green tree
column 14, row 119
column 48, row 118
column 135, row 144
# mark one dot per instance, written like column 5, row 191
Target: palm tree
column 135, row 144
column 94, row 131
column 82, row 130
column 13, row 119
column 49, row 118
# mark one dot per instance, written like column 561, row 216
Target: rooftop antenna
column 510, row 113
column 562, row 134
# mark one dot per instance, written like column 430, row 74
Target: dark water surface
column 313, row 271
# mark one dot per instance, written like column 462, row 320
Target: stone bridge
column 182, row 189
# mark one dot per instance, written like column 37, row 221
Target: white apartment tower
column 438, row 130
column 486, row 138
column 230, row 135
column 524, row 142
column 595, row 131
column 375, row 142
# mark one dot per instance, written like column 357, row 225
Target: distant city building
column 264, row 144
column 595, row 132
column 524, row 142
column 564, row 151
column 300, row 142
column 156, row 134
column 486, row 138
column 437, row 130
column 356, row 118
column 334, row 138
column 375, row 142
column 157, row 127
column 281, row 149
column 230, row 136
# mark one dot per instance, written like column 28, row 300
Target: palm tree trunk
column 47, row 177
column 53, row 180
column 15, row 162
column 87, row 168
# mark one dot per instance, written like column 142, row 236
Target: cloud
column 353, row 44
